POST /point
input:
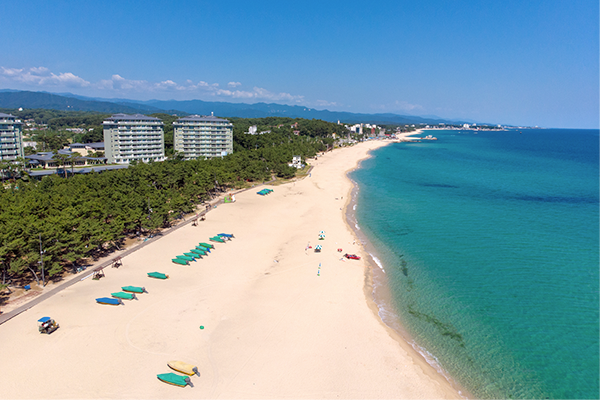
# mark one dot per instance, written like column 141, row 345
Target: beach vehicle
column 229, row 235
column 186, row 258
column 123, row 295
column 109, row 301
column 217, row 239
column 351, row 256
column 193, row 255
column 134, row 289
column 318, row 248
column 47, row 325
column 183, row 367
column 179, row 261
column 174, row 379
column 158, row 275
column 207, row 245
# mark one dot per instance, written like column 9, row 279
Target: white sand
column 273, row 327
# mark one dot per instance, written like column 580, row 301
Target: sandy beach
column 280, row 321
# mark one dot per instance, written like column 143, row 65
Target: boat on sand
column 183, row 367
column 157, row 275
column 123, row 295
column 134, row 289
column 174, row 379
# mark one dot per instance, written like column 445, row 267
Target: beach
column 279, row 319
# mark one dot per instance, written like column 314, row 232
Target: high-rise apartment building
column 11, row 137
column 133, row 137
column 203, row 136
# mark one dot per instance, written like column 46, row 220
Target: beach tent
column 159, row 275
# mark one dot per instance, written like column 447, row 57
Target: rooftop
column 132, row 117
column 201, row 118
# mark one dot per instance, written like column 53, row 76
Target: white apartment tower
column 11, row 137
column 133, row 137
column 203, row 136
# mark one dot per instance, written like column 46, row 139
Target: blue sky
column 511, row 62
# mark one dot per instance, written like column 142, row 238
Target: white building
column 133, row 137
column 11, row 137
column 203, row 136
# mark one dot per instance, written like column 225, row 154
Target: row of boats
column 130, row 292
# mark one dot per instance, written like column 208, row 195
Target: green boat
column 217, row 239
column 157, row 275
column 174, row 379
column 193, row 255
column 186, row 258
column 202, row 249
column 134, row 289
column 123, row 295
column 180, row 261
column 207, row 245
column 198, row 253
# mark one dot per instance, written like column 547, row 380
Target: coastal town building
column 134, row 137
column 11, row 137
column 203, row 136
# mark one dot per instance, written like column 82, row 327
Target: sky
column 527, row 63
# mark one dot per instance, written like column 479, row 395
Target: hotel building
column 133, row 137
column 11, row 137
column 203, row 136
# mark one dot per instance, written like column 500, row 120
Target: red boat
column 351, row 256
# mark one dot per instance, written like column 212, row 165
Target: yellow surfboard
column 183, row 367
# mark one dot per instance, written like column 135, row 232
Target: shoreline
column 378, row 298
column 280, row 321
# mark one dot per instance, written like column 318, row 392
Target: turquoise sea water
column 490, row 247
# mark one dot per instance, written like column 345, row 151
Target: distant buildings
column 203, row 136
column 11, row 137
column 134, row 137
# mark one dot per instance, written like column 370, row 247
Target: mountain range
column 13, row 99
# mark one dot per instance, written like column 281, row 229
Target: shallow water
column 489, row 244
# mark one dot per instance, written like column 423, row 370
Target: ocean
column 488, row 247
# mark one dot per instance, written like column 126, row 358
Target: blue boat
column 108, row 300
column 227, row 235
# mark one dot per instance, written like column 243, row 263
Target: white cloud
column 325, row 103
column 41, row 76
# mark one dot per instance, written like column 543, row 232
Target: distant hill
column 69, row 101
column 56, row 102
